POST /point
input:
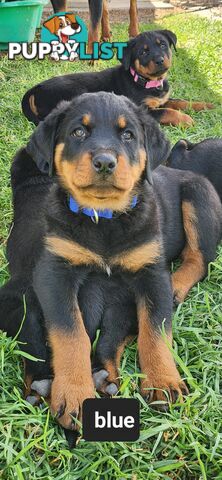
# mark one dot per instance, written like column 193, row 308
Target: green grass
column 184, row 443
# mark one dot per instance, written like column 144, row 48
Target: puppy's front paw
column 165, row 388
column 67, row 398
column 186, row 120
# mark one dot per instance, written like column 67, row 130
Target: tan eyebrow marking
column 121, row 121
column 86, row 119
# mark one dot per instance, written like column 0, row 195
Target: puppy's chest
column 152, row 98
column 109, row 257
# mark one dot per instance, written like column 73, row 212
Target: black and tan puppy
column 141, row 77
column 204, row 158
column 95, row 246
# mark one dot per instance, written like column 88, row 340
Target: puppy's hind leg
column 202, row 220
column 38, row 374
column 119, row 326
column 21, row 317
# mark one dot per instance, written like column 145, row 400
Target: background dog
column 96, row 247
column 141, row 77
column 99, row 16
column 204, row 158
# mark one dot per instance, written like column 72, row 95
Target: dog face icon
column 63, row 26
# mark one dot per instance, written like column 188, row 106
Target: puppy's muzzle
column 104, row 163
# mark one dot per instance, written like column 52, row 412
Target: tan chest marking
column 73, row 252
column 132, row 260
column 154, row 102
column 137, row 258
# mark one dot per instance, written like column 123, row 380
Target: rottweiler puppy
column 142, row 77
column 204, row 158
column 92, row 248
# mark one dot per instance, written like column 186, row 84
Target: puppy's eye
column 79, row 132
column 145, row 52
column 127, row 136
column 162, row 45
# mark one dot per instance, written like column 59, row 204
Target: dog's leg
column 95, row 12
column 106, row 34
column 21, row 316
column 193, row 267
column 111, row 344
column 133, row 26
column 169, row 116
column 155, row 300
column 59, row 5
column 177, row 104
column 201, row 220
column 57, row 284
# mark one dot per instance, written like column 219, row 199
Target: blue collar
column 91, row 212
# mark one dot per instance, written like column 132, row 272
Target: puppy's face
column 150, row 53
column 101, row 147
column 100, row 156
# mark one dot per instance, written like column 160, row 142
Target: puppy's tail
column 29, row 107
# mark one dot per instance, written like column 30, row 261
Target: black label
column 106, row 420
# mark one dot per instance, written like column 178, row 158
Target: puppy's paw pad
column 102, row 383
column 99, row 377
column 33, row 400
column 111, row 389
column 42, row 387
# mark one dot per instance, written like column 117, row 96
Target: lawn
column 186, row 442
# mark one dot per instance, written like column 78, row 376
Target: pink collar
column 143, row 82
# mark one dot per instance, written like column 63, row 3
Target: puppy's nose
column 104, row 163
column 159, row 61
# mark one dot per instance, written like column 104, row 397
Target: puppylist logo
column 64, row 37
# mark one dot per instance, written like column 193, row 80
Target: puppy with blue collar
column 94, row 233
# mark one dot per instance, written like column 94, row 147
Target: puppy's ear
column 171, row 37
column 156, row 145
column 41, row 145
column 127, row 54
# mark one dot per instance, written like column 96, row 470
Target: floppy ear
column 71, row 17
column 156, row 145
column 42, row 143
column 171, row 37
column 127, row 54
column 73, row 20
column 51, row 25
